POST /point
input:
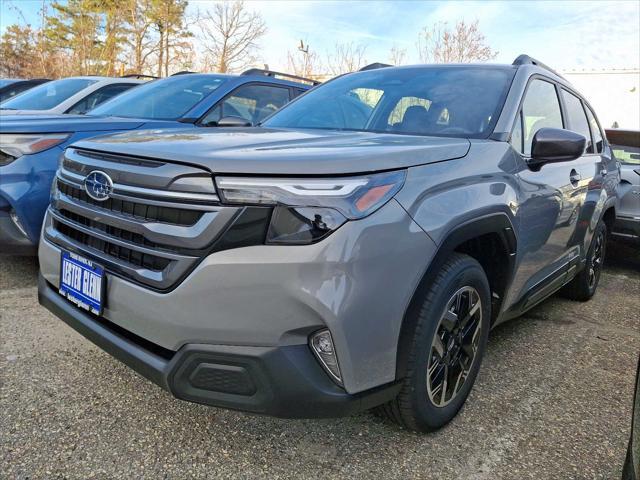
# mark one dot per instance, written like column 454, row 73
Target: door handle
column 575, row 177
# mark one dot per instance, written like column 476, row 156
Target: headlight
column 309, row 209
column 13, row 146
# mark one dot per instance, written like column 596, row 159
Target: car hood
column 65, row 123
column 283, row 151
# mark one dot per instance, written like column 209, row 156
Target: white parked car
column 75, row 95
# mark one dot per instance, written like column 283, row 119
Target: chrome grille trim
column 147, row 231
column 195, row 236
column 120, row 190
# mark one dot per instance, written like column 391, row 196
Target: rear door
column 590, row 170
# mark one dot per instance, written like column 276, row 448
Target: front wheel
column 448, row 345
column 584, row 285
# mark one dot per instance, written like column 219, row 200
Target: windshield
column 47, row 95
column 6, row 81
column 167, row 99
column 456, row 101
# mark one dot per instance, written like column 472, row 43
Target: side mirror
column 551, row 145
column 234, row 122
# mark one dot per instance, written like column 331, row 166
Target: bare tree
column 462, row 44
column 230, row 34
column 305, row 62
column 345, row 58
column 139, row 39
column 397, row 55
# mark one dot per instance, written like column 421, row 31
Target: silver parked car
column 74, row 95
column 626, row 148
column 353, row 251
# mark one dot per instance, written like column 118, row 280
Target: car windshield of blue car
column 6, row 81
column 449, row 101
column 166, row 99
column 48, row 95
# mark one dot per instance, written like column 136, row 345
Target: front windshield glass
column 455, row 101
column 5, row 82
column 47, row 95
column 167, row 99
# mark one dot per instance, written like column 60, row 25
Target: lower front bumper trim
column 281, row 381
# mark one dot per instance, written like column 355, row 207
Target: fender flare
column 496, row 222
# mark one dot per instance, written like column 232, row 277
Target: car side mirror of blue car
column 232, row 121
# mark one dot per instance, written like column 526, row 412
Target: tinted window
column 166, row 99
column 456, row 101
column 48, row 95
column 540, row 109
column 99, row 96
column 14, row 89
column 595, row 131
column 251, row 102
column 577, row 118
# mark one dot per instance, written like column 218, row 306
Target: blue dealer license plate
column 82, row 282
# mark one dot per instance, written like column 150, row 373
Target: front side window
column 253, row 103
column 595, row 131
column 99, row 96
column 455, row 101
column 540, row 109
column 577, row 117
column 166, row 99
column 48, row 95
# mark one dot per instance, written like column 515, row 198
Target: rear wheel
column 447, row 348
column 584, row 285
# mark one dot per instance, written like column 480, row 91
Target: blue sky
column 565, row 35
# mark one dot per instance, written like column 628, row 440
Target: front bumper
column 357, row 283
column 12, row 240
column 25, row 188
column 283, row 381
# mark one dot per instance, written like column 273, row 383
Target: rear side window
column 251, row 102
column 596, row 133
column 540, row 109
column 577, row 117
column 99, row 96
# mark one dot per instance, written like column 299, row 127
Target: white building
column 614, row 94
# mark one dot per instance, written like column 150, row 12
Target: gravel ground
column 553, row 401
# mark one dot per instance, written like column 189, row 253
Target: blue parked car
column 31, row 145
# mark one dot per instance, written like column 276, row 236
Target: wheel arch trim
column 498, row 222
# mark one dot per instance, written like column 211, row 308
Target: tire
column 421, row 407
column 585, row 284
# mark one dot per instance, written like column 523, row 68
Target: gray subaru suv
column 353, row 251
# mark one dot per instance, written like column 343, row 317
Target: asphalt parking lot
column 553, row 401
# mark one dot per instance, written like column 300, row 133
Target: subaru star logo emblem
column 98, row 185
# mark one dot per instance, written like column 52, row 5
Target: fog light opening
column 14, row 218
column 324, row 350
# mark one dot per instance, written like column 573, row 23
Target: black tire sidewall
column 466, row 272
column 602, row 228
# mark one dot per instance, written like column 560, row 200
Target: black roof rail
column 527, row 60
column 374, row 66
column 138, row 75
column 183, row 72
column 271, row 73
